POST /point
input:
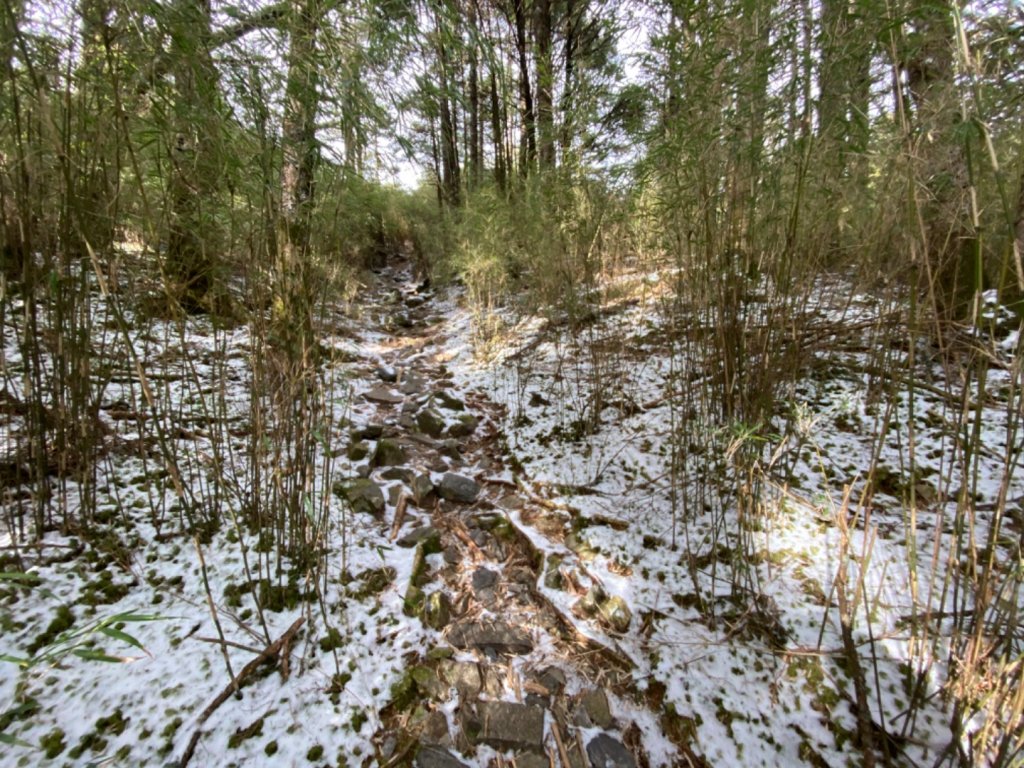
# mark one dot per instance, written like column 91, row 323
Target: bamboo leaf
column 7, row 739
column 124, row 637
column 90, row 655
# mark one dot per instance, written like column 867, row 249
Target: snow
column 591, row 423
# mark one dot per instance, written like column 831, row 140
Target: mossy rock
column 363, row 495
column 430, row 422
column 388, row 453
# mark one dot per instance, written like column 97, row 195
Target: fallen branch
column 236, row 683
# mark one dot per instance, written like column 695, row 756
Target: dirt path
column 512, row 674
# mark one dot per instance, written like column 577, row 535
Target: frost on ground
column 735, row 589
column 739, row 629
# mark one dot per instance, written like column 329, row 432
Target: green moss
column 315, row 753
column 333, row 640
column 270, row 749
column 104, row 590
column 243, row 734
column 113, row 724
column 60, row 624
column 53, row 743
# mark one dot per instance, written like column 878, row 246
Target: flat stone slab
column 436, row 757
column 506, row 725
column 496, row 637
column 606, row 752
column 382, row 394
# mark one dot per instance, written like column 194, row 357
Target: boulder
column 388, row 453
column 446, row 400
column 422, row 489
column 429, row 422
column 465, row 426
column 358, row 450
column 364, row 496
column 367, row 432
column 387, row 374
column 605, row 752
column 459, row 488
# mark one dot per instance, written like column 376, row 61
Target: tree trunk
column 450, row 180
column 293, row 322
column 497, row 134
column 196, row 158
column 569, row 54
column 950, row 247
column 475, row 134
column 545, row 84
column 528, row 137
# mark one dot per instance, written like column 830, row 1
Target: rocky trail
column 513, row 674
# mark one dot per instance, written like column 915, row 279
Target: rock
column 484, row 578
column 430, row 756
column 437, row 610
column 422, row 489
column 449, row 401
column 414, row 301
column 595, row 703
column 429, row 422
column 553, row 578
column 458, row 488
column 412, row 384
column 616, row 614
column 435, row 729
column 364, row 496
column 553, row 679
column 606, row 752
column 358, row 450
column 367, row 432
column 387, row 374
column 530, row 760
column 450, row 449
column 497, row 638
column 427, row 534
column 403, row 320
column 589, row 604
column 427, row 682
column 405, row 474
column 418, row 576
column 465, row 426
column 388, row 453
column 583, row 550
column 489, row 521
column 452, row 555
column 464, row 677
column 505, row 725
column 382, row 394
